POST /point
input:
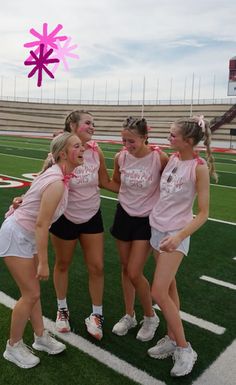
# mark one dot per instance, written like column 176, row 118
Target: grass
column 212, row 251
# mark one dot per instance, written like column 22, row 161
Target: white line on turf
column 222, row 371
column 216, row 329
column 218, row 282
column 101, row 355
column 210, row 219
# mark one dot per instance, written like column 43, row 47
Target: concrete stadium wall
column 48, row 118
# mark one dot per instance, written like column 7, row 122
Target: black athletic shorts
column 65, row 229
column 129, row 228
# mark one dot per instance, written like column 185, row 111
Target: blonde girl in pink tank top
column 172, row 223
column 137, row 169
column 82, row 221
column 24, row 242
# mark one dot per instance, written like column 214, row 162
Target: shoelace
column 50, row 337
column 126, row 320
column 163, row 341
column 99, row 319
column 146, row 322
column 179, row 355
column 64, row 315
column 25, row 349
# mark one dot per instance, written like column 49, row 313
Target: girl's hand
column 170, row 243
column 17, row 202
column 42, row 272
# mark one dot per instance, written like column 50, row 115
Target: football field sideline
column 221, row 371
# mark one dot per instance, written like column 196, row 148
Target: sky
column 128, row 49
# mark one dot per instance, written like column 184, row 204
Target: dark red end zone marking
column 6, row 182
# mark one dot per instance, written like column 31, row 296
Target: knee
column 62, row 266
column 124, row 268
column 32, row 297
column 159, row 295
column 96, row 269
column 134, row 276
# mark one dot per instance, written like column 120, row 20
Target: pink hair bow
column 66, row 179
column 200, row 122
column 93, row 145
column 51, row 158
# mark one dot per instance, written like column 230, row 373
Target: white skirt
column 16, row 241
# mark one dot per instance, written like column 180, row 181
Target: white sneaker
column 94, row 325
column 46, row 343
column 62, row 321
column 147, row 331
column 122, row 327
column 165, row 347
column 184, row 359
column 21, row 355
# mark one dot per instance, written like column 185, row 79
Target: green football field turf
column 211, row 255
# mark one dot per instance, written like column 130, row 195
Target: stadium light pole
column 80, row 91
column 157, row 92
column 14, row 89
column 105, row 97
column 28, row 90
column 2, row 78
column 54, row 91
column 214, row 86
column 199, row 89
column 67, row 91
column 143, row 102
column 93, row 93
column 191, row 106
column 41, row 94
column 185, row 86
column 131, row 92
column 171, row 80
column 118, row 93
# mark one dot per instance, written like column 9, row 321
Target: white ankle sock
column 97, row 309
column 62, row 303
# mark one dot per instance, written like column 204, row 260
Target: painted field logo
column 7, row 182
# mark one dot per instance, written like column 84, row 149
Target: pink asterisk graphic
column 62, row 51
column 40, row 63
column 47, row 39
column 48, row 43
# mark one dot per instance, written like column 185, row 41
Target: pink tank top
column 140, row 179
column 84, row 193
column 27, row 212
column 173, row 210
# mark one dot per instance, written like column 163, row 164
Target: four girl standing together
column 149, row 191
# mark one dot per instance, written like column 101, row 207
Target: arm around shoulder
column 164, row 160
column 104, row 179
column 49, row 202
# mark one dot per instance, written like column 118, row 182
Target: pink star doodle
column 62, row 51
column 45, row 39
column 40, row 63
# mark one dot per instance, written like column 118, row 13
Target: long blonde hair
column 58, row 144
column 198, row 128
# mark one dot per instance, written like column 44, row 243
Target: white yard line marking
column 14, row 177
column 222, row 371
column 216, row 329
column 222, row 185
column 101, row 355
column 218, row 282
column 23, row 157
column 221, row 221
column 210, row 219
